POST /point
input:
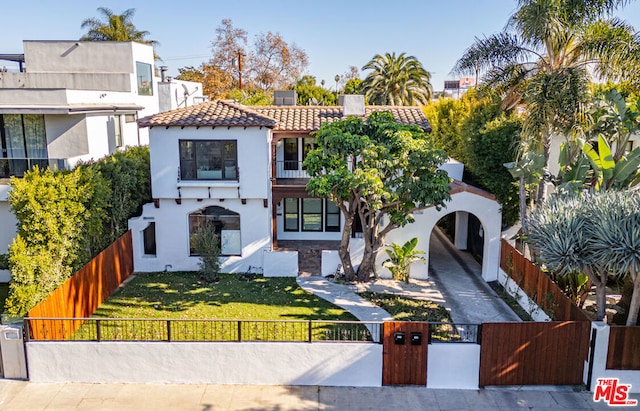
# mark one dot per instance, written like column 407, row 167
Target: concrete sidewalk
column 25, row 396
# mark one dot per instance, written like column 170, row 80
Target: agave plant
column 401, row 257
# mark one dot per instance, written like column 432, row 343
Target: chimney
column 163, row 72
column 352, row 104
column 285, row 97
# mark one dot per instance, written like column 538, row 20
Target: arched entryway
column 465, row 201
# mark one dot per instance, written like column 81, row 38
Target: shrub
column 206, row 244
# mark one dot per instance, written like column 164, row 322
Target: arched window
column 227, row 226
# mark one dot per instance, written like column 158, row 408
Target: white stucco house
column 240, row 167
column 73, row 101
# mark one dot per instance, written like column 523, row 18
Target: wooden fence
column 538, row 286
column 623, row 351
column 534, row 353
column 80, row 295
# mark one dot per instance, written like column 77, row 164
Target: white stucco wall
column 486, row 210
column 600, row 361
column 453, row 365
column 512, row 288
column 280, row 264
column 254, row 165
column 333, row 364
column 172, row 235
column 8, row 230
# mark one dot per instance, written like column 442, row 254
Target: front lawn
column 236, row 296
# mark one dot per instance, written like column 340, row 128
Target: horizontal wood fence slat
column 624, row 348
column 534, row 353
column 80, row 295
column 538, row 286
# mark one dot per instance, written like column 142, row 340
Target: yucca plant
column 401, row 257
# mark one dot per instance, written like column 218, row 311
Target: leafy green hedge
column 477, row 132
column 66, row 217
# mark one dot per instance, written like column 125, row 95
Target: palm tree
column 115, row 27
column 544, row 57
column 397, row 80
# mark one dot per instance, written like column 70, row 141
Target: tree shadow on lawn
column 236, row 296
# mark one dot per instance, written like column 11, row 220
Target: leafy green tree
column 541, row 60
column 206, row 245
column 127, row 174
column 311, row 94
column 378, row 171
column 353, row 86
column 251, row 97
column 215, row 81
column 60, row 217
column 396, row 80
column 477, row 132
column 114, row 27
column 401, row 257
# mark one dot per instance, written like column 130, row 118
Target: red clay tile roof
column 459, row 187
column 309, row 118
column 280, row 118
column 215, row 113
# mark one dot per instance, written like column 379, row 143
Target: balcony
column 290, row 170
column 16, row 167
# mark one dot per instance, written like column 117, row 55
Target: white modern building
column 74, row 101
column 240, row 168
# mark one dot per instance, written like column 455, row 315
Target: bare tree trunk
column 634, row 306
column 344, row 251
column 600, row 281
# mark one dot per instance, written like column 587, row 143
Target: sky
column 335, row 34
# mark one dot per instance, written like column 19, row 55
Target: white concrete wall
column 172, row 95
column 453, row 365
column 600, row 361
column 333, row 364
column 172, row 235
column 487, row 211
column 454, row 168
column 8, row 230
column 512, row 288
column 253, row 163
column 280, row 264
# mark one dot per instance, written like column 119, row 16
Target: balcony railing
column 16, row 167
column 290, row 169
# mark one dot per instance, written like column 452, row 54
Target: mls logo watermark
column 613, row 393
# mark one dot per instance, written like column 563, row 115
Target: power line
column 185, row 57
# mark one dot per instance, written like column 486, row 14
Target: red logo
column 613, row 393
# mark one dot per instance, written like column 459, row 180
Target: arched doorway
column 456, row 243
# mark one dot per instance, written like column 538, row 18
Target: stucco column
column 462, row 224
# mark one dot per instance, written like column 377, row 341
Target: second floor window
column 208, row 160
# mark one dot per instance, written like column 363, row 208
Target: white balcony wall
column 253, row 163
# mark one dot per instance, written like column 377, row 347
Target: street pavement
column 26, row 396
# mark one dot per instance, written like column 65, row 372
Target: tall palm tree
column 396, row 80
column 114, row 27
column 545, row 56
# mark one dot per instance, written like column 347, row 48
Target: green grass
column 191, row 304
column 407, row 309
column 246, row 297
